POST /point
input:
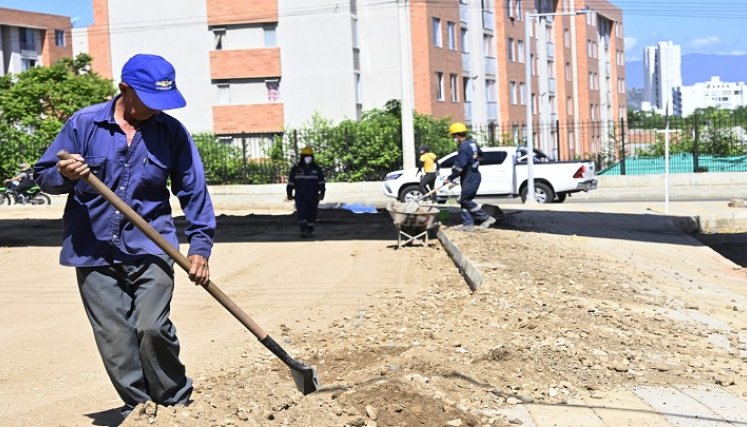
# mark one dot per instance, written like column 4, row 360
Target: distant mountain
column 696, row 67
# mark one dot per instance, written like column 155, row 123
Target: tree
column 35, row 104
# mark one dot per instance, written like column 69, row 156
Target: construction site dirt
column 567, row 314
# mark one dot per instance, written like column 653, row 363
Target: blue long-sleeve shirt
column 95, row 233
column 467, row 159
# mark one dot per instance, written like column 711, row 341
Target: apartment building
column 713, row 93
column 29, row 39
column 260, row 66
column 662, row 76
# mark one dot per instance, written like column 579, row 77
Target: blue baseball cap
column 154, row 80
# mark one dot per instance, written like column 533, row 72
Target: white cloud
column 738, row 52
column 703, row 42
column 630, row 43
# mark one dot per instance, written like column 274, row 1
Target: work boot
column 467, row 228
column 488, row 222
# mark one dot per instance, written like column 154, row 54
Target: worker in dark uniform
column 466, row 169
column 307, row 179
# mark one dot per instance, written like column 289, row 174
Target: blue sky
column 699, row 26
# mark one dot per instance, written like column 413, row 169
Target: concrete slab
column 624, row 408
column 564, row 415
column 720, row 401
column 678, row 408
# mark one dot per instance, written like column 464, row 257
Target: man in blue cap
column 125, row 281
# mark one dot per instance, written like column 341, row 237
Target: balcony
column 467, row 111
column 492, row 110
column 248, row 118
column 551, row 85
column 245, row 63
column 550, row 51
column 463, row 13
column 490, row 66
column 488, row 20
column 465, row 63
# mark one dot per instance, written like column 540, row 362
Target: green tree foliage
column 35, row 104
column 368, row 149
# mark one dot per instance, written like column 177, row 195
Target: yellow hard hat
column 307, row 151
column 457, row 127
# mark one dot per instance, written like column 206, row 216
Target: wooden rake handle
column 171, row 251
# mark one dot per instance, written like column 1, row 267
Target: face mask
column 308, row 159
column 456, row 140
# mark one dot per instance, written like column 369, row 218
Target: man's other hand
column 199, row 271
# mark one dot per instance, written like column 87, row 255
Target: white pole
column 666, row 163
column 408, row 132
column 530, row 131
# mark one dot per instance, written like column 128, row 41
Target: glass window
column 440, row 87
column 451, row 30
column 493, row 157
column 437, row 33
column 454, row 88
column 273, row 90
column 465, row 44
column 511, row 54
column 512, row 92
column 271, row 35
column 59, row 38
column 224, row 93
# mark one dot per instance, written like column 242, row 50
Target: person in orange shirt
column 429, row 168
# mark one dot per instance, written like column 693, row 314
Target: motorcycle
column 32, row 196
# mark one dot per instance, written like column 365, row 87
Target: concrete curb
column 472, row 275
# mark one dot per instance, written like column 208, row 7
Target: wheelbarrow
column 412, row 226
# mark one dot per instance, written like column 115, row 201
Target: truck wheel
column 560, row 197
column 542, row 193
column 410, row 193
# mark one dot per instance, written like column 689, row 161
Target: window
column 437, row 33
column 358, row 91
column 271, row 39
column 490, row 94
column 27, row 64
column 569, row 105
column 522, row 93
column 493, row 157
column 518, row 10
column 224, row 93
column 568, row 72
column 26, row 38
column 273, row 90
column 465, row 45
column 520, row 51
column 451, row 32
column 487, row 45
column 510, row 11
column 511, row 54
column 59, row 38
column 354, row 27
column 512, row 92
column 566, row 38
column 220, row 34
column 440, row 87
column 453, row 88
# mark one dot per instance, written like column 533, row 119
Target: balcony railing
column 490, row 66
column 463, row 13
column 465, row 62
column 488, row 20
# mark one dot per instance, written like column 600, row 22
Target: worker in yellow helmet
column 307, row 180
column 466, row 168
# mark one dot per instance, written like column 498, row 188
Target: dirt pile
column 555, row 322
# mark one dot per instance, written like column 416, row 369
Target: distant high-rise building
column 29, row 39
column 662, row 75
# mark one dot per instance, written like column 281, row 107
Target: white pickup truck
column 504, row 174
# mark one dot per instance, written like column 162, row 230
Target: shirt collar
column 106, row 114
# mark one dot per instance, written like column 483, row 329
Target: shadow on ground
column 341, row 224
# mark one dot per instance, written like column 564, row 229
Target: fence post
column 696, row 144
column 243, row 158
column 623, row 154
column 295, row 141
column 557, row 137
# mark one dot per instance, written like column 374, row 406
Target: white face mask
column 307, row 160
column 456, row 139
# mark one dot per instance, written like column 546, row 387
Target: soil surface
column 396, row 336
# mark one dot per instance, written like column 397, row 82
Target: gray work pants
column 128, row 306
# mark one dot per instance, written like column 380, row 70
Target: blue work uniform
column 466, row 167
column 125, row 280
column 308, row 183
